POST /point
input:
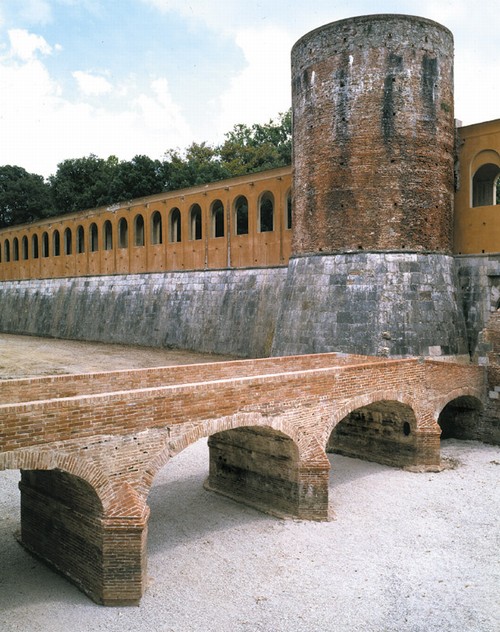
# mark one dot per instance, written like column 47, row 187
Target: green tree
column 81, row 183
column 198, row 164
column 136, row 178
column 259, row 147
column 24, row 197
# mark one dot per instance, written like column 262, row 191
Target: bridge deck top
column 77, row 385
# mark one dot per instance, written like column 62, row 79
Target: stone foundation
column 391, row 304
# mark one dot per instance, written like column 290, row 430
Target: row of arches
column 245, row 225
column 260, row 465
column 57, row 245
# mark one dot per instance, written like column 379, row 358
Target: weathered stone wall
column 479, row 283
column 223, row 311
column 392, row 304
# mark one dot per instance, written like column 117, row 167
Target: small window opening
column 174, row 230
column 94, row 236
column 139, row 231
column 34, row 246
column 56, row 244
column 15, row 249
column 241, row 213
column 123, row 233
column 108, row 235
column 6, row 250
column 24, row 248
column 195, row 222
column 68, row 245
column 156, row 230
column 80, row 240
column 45, row 245
column 217, row 219
column 266, row 213
column 289, row 211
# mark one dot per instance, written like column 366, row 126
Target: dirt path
column 26, row 356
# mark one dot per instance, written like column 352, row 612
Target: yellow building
column 477, row 214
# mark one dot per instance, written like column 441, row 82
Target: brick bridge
column 89, row 446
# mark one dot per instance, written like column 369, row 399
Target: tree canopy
column 88, row 182
column 24, row 197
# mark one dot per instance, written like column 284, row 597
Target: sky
column 128, row 77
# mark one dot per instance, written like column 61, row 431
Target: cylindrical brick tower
column 373, row 134
column 372, row 101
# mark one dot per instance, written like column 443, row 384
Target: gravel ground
column 406, row 552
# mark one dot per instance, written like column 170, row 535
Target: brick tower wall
column 372, row 101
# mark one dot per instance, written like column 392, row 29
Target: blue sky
column 127, row 77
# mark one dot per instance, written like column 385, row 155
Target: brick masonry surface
column 90, row 445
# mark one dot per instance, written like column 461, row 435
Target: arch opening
column 485, row 185
column 174, row 226
column 459, row 418
column 241, row 215
column 108, row 235
column 122, row 233
column 156, row 229
column 61, row 523
column 258, row 466
column 139, row 231
column 266, row 212
column 217, row 216
column 383, row 432
column 195, row 232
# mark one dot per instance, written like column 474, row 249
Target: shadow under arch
column 458, row 419
column 384, row 431
column 260, row 461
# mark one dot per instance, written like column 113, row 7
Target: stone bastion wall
column 258, row 312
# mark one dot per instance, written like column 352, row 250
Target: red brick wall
column 372, row 101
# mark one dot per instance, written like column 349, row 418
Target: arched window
column 34, row 247
column 45, row 245
column 6, row 251
column 139, row 230
column 80, row 240
column 24, row 248
column 68, row 242
column 56, row 244
column 122, row 233
column 195, row 222
column 156, row 231
column 108, row 235
column 217, row 219
column 266, row 212
column 288, row 211
column 94, row 237
column 174, row 225
column 484, row 186
column 241, row 215
column 15, row 249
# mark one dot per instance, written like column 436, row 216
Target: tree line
column 82, row 183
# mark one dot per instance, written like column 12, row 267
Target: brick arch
column 367, row 399
column 308, row 447
column 466, row 391
column 73, row 464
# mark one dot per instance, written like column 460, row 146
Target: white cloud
column 41, row 126
column 262, row 88
column 90, row 84
column 25, row 45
